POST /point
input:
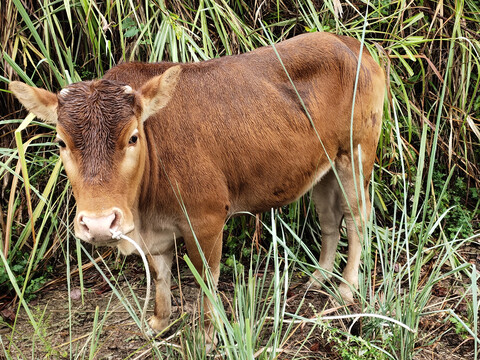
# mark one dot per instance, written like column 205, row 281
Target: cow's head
column 102, row 145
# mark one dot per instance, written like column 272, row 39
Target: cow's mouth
column 111, row 242
column 100, row 242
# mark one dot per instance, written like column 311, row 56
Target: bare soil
column 120, row 338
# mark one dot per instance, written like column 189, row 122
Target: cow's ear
column 42, row 103
column 157, row 92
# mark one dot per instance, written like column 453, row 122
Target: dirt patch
column 66, row 325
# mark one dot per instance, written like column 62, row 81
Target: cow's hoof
column 209, row 348
column 211, row 342
column 316, row 280
column 346, row 293
column 158, row 324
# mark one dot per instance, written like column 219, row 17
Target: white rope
column 302, row 320
column 118, row 235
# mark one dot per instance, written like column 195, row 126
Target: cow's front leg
column 208, row 231
column 161, row 267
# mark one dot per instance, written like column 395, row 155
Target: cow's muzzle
column 98, row 229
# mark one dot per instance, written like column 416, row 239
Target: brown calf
column 151, row 143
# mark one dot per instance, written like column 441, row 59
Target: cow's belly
column 280, row 191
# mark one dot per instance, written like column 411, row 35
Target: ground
column 119, row 336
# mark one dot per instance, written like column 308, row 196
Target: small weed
column 19, row 270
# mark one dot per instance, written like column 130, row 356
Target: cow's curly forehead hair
column 93, row 114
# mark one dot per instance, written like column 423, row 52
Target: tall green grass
column 424, row 187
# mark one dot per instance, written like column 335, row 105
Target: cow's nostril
column 82, row 224
column 117, row 219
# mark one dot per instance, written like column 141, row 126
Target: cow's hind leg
column 325, row 195
column 355, row 213
column 161, row 266
column 333, row 204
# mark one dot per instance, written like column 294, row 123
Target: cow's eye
column 133, row 140
column 61, row 144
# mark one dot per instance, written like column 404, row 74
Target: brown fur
column 94, row 114
column 224, row 136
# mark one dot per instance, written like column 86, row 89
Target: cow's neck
column 154, row 199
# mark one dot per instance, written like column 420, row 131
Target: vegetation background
column 421, row 252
